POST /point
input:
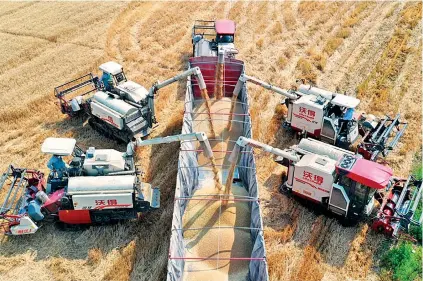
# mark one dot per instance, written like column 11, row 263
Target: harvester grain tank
column 345, row 184
column 331, row 118
column 117, row 107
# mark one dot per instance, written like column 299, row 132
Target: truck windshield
column 225, row 38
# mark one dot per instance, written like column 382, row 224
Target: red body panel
column 225, row 27
column 53, row 202
column 368, row 173
column 75, row 216
column 232, row 71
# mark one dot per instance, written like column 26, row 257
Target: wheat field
column 369, row 49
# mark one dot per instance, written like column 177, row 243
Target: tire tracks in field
column 348, row 65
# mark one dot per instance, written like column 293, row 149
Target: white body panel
column 313, row 176
column 25, row 226
column 58, row 146
column 107, row 115
column 117, row 105
column 308, row 145
column 104, row 161
column 309, row 90
column 111, row 67
column 307, row 114
column 202, row 49
column 133, row 91
column 101, row 184
column 345, row 101
column 102, row 201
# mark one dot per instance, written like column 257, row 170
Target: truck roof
column 368, row 173
column 224, row 27
column 58, row 146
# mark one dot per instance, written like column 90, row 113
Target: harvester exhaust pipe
column 218, row 89
column 245, row 78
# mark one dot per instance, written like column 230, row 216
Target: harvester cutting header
column 331, row 117
column 117, row 107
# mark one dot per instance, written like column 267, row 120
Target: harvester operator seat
column 344, row 122
column 107, row 80
column 56, row 164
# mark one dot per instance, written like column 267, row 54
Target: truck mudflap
column 155, row 198
column 150, row 197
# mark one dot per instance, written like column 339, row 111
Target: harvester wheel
column 284, row 189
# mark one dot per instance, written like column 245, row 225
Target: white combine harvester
column 331, row 117
column 96, row 186
column 117, row 107
column 345, row 184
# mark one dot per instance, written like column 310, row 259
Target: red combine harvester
column 96, row 186
column 345, row 184
column 331, row 118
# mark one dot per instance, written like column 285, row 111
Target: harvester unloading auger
column 117, row 107
column 96, row 186
column 330, row 117
column 345, row 184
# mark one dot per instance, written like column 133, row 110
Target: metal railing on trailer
column 202, row 27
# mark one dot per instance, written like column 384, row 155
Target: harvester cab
column 209, row 38
column 332, row 118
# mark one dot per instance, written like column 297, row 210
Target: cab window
column 225, row 38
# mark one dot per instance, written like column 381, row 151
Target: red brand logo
column 109, row 119
column 112, row 202
column 100, row 202
column 22, row 231
column 313, row 178
column 306, row 114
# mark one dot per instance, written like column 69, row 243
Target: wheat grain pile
column 212, row 236
column 372, row 49
column 213, row 239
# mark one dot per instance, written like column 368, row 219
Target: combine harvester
column 331, row 118
column 97, row 186
column 345, row 184
column 118, row 108
column 217, row 233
